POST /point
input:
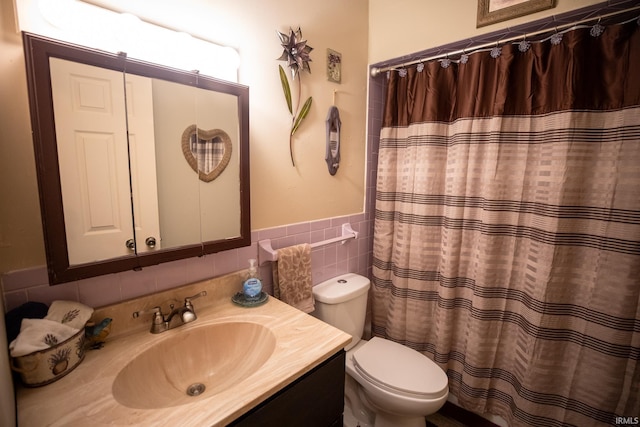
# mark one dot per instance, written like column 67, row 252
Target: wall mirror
column 117, row 191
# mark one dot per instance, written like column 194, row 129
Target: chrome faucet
column 161, row 322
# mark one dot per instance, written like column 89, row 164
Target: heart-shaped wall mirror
column 207, row 151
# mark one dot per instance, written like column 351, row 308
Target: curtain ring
column 446, row 62
column 464, row 58
column 524, row 45
column 556, row 38
column 597, row 29
column 495, row 52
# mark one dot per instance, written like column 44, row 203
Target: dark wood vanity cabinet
column 314, row 400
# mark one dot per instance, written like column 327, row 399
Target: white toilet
column 387, row 384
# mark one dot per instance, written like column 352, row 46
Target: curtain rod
column 377, row 70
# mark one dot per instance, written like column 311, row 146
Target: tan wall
column 280, row 193
column 401, row 27
column 363, row 31
column 20, row 229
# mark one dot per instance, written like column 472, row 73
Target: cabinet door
column 142, row 162
column 315, row 400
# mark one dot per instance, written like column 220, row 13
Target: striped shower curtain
column 507, row 226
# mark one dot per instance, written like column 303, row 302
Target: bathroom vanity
column 270, row 365
column 316, row 399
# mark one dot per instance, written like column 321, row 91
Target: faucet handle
column 187, row 300
column 158, row 318
column 156, row 310
column 189, row 315
column 198, row 295
column 158, row 324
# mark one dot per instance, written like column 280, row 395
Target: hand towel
column 39, row 334
column 292, row 281
column 70, row 313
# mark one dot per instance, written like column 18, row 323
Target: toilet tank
column 342, row 303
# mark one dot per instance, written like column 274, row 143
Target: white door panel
column 142, row 153
column 91, row 133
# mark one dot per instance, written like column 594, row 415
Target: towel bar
column 267, row 253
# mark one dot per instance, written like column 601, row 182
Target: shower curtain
column 507, row 225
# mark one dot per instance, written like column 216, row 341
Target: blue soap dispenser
column 252, row 287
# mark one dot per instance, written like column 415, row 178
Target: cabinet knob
column 130, row 244
column 151, row 242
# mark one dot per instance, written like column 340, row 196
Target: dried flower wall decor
column 296, row 53
column 334, row 66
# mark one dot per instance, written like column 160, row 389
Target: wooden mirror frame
column 38, row 50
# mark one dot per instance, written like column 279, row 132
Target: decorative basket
column 46, row 366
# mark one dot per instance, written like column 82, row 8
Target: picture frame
column 492, row 11
column 334, row 66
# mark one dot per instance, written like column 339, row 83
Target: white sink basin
column 192, row 364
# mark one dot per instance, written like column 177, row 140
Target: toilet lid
column 393, row 366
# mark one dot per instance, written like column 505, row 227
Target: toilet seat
column 400, row 369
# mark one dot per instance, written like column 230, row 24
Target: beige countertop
column 84, row 396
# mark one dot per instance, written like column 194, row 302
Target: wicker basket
column 46, row 366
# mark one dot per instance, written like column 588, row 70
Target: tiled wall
column 354, row 256
column 333, row 259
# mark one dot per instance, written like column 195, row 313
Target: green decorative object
column 296, row 53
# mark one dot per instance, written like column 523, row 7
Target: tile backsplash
column 353, row 256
